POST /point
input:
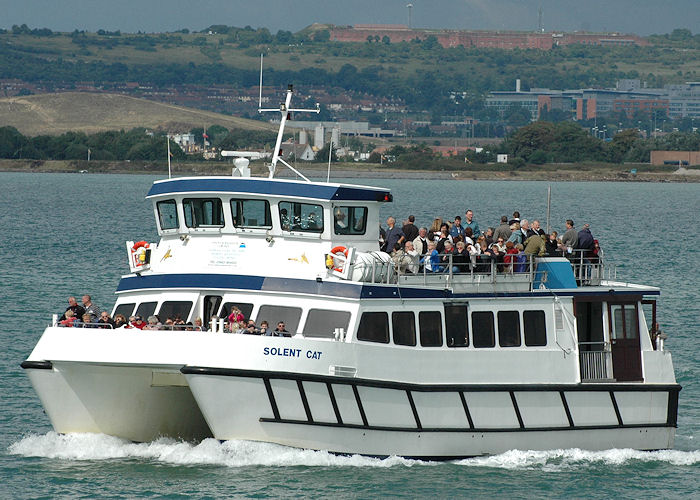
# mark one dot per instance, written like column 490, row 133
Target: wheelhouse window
column 304, row 217
column 350, row 220
column 251, row 213
column 203, row 212
column 508, row 328
column 534, row 328
column 290, row 316
column 374, row 327
column 403, row 326
column 175, row 309
column 146, row 309
column 456, row 325
column 483, row 334
column 322, row 323
column 430, row 323
column 167, row 215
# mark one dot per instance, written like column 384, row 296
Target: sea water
column 64, row 234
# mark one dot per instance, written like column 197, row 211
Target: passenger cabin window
column 430, row 323
column 374, row 327
column 245, row 309
column 146, row 309
column 203, row 212
column 534, row 328
column 403, row 326
column 167, row 215
column 508, row 328
column 456, row 325
column 125, row 309
column 174, row 308
column 322, row 323
column 350, row 220
column 274, row 314
column 483, row 334
column 303, row 217
column 251, row 213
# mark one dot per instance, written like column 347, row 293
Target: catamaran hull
column 138, row 403
column 380, row 419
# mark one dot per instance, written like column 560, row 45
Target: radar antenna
column 284, row 110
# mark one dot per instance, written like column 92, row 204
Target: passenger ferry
column 380, row 362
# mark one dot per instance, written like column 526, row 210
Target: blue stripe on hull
column 328, row 288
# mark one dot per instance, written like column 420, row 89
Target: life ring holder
column 338, row 250
column 138, row 262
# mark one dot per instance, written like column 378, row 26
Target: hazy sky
column 637, row 16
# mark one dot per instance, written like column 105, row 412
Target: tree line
column 134, row 145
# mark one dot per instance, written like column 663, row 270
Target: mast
column 284, row 110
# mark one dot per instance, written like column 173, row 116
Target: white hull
column 375, row 418
column 132, row 402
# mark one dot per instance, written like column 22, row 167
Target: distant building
column 479, row 39
column 680, row 158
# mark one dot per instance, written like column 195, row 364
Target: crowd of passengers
column 90, row 315
column 461, row 246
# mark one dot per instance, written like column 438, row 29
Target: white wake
column 248, row 453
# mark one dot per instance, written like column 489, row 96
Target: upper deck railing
column 518, row 272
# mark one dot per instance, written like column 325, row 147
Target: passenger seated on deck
column 250, row 328
column 281, row 330
column 552, row 245
column 120, row 321
column 446, row 257
column 136, row 322
column 403, row 258
column 87, row 321
column 69, row 318
column 76, row 308
column 236, row 315
column 461, row 259
column 264, row 328
column 105, row 320
column 152, row 324
column 91, row 308
column 520, row 265
column 509, row 257
column 431, row 260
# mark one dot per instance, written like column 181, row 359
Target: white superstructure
column 549, row 355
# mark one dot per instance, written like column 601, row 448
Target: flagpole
column 167, row 138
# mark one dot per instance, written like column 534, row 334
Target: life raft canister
column 330, row 261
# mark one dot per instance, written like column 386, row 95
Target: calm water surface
column 64, row 234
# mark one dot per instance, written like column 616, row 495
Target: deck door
column 624, row 340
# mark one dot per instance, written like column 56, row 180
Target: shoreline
column 363, row 171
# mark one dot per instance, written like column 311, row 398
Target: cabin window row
column 320, row 323
column 375, row 327
column 256, row 214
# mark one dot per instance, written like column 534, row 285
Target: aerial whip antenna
column 284, row 110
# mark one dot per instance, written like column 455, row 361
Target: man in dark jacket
column 585, row 238
column 409, row 229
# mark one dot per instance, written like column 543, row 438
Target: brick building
column 479, row 39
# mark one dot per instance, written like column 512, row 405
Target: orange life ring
column 139, row 244
column 337, row 250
